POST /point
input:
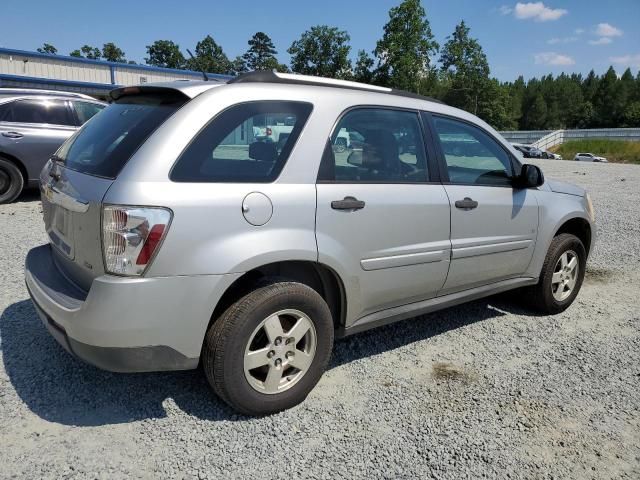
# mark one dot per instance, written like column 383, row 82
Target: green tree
column 92, row 53
column 261, row 54
column 516, row 92
column 465, row 64
column 48, row 48
column 238, row 66
column 627, row 86
column 537, row 114
column 583, row 116
column 607, row 100
column 112, row 53
column 210, row 57
column 631, row 117
column 87, row 51
column 494, row 106
column 165, row 53
column 590, row 86
column 407, row 46
column 363, row 71
column 322, row 51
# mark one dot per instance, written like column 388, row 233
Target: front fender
column 556, row 209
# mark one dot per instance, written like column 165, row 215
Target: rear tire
column 560, row 280
column 268, row 350
column 11, row 181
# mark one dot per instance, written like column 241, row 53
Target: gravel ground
column 481, row 390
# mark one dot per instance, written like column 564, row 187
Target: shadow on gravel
column 29, row 195
column 402, row 333
column 61, row 389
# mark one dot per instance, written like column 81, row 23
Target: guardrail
column 524, row 136
column 544, row 139
column 551, row 140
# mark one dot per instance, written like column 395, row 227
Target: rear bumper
column 125, row 324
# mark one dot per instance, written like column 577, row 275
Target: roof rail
column 266, row 76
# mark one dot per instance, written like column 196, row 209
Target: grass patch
column 613, row 150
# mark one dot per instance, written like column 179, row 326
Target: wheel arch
column 319, row 277
column 579, row 227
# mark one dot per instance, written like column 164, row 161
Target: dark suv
column 33, row 124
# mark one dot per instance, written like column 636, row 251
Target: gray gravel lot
column 482, row 390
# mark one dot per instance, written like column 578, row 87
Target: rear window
column 249, row 142
column 105, row 144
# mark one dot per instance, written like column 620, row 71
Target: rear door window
column 102, row 147
column 249, row 142
column 376, row 145
column 52, row 112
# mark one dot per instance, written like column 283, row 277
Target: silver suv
column 33, row 125
column 181, row 235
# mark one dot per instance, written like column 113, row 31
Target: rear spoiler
column 188, row 89
column 121, row 92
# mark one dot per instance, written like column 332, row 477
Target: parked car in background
column 589, row 157
column 550, row 155
column 33, row 125
column 527, row 150
column 171, row 246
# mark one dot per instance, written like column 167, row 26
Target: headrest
column 263, row 152
column 380, row 149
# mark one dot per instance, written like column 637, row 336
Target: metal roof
column 135, row 66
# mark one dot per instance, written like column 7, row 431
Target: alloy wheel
column 565, row 275
column 280, row 351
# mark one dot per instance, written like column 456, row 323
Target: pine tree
column 407, row 46
column 261, row 54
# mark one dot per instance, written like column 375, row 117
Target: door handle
column 12, row 134
column 349, row 203
column 466, row 204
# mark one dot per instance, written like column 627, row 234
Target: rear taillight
column 131, row 237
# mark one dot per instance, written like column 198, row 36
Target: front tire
column 269, row 349
column 11, row 181
column 561, row 276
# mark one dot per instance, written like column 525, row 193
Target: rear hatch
column 77, row 178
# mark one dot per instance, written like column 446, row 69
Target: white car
column 589, row 157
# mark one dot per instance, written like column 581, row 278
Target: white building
column 19, row 68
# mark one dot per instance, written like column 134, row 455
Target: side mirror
column 530, row 176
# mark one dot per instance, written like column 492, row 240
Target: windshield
column 105, row 143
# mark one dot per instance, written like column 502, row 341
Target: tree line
column 408, row 57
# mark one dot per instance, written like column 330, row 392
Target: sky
column 519, row 38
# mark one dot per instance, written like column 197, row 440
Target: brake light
column 150, row 244
column 131, row 236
